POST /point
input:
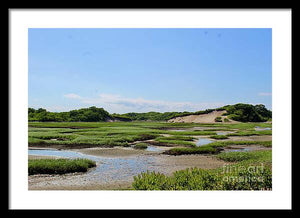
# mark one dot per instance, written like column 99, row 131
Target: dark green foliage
column 247, row 112
column 59, row 166
column 263, row 111
column 152, row 116
column 226, row 120
column 91, row 114
column 218, row 119
column 120, row 117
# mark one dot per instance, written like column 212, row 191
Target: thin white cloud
column 72, row 96
column 265, row 94
column 119, row 104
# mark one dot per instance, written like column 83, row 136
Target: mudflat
column 95, row 180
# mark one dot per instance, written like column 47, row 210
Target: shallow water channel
column 203, row 141
column 258, row 128
column 108, row 169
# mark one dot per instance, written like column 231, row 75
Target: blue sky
column 141, row 70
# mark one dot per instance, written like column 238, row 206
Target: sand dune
column 203, row 118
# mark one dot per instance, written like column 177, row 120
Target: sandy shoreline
column 111, row 152
column 118, row 165
column 119, row 177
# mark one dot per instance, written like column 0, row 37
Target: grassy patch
column 177, row 137
column 252, row 172
column 195, row 150
column 168, row 142
column 201, row 179
column 219, row 137
column 218, row 119
column 110, row 134
column 245, row 156
column 141, row 146
column 191, row 133
column 228, row 143
column 251, row 133
column 58, row 166
column 214, row 147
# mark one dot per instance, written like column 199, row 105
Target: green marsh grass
column 110, row 134
column 195, row 150
column 252, row 172
column 219, row 137
column 245, row 156
column 59, row 166
column 141, row 146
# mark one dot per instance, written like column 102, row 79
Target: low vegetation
column 251, row 133
column 141, row 146
column 251, row 172
column 58, row 166
column 195, row 150
column 219, row 137
column 245, row 156
column 110, row 134
column 228, row 143
column 140, row 134
column 218, row 119
column 214, row 147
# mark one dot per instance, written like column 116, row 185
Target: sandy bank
column 112, row 152
column 119, row 177
column 202, row 118
column 34, row 157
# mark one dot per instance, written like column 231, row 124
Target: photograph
column 150, row 109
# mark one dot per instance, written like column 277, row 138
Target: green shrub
column 151, row 181
column 226, row 120
column 248, row 113
column 218, row 119
column 242, row 177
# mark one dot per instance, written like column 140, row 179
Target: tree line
column 239, row 112
column 91, row 114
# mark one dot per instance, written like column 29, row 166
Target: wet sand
column 34, row 157
column 117, row 166
column 108, row 176
column 111, row 152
